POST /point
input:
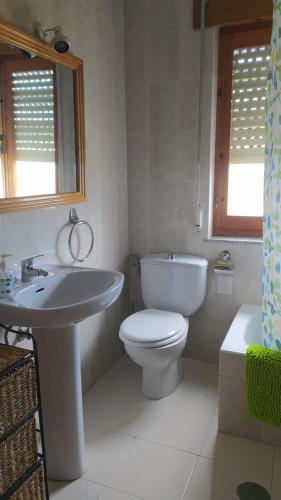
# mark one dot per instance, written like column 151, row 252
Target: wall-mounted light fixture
column 60, row 42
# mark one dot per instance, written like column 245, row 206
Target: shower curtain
column 271, row 303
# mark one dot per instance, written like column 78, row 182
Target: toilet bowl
column 155, row 339
column 172, row 289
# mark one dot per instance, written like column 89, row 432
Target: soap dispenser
column 7, row 281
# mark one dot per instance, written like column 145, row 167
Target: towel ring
column 74, row 219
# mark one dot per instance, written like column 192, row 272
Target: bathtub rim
column 234, row 342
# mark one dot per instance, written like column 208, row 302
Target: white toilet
column 173, row 288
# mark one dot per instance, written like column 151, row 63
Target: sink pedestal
column 61, row 391
column 53, row 306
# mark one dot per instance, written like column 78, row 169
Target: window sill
column 253, row 241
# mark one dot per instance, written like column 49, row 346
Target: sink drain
column 252, row 491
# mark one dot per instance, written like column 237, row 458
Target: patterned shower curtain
column 271, row 313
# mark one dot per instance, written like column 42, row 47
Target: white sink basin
column 53, row 306
column 68, row 295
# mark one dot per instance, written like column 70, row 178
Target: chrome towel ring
column 74, row 219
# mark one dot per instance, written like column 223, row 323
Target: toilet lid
column 152, row 326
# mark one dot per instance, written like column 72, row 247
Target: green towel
column 263, row 382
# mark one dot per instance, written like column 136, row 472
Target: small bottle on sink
column 7, row 278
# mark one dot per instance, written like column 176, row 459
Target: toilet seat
column 153, row 328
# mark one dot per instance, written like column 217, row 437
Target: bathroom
column 142, row 100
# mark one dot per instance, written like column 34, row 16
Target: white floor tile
column 198, row 389
column 104, row 383
column 177, row 427
column 276, row 483
column 200, row 370
column 238, row 451
column 162, row 463
column 93, row 395
column 109, row 494
column 104, row 450
column 277, row 462
column 118, row 412
column 214, row 480
column 276, row 488
column 74, row 490
column 153, row 472
column 129, row 381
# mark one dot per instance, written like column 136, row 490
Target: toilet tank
column 177, row 285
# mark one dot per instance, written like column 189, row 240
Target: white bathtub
column 245, row 329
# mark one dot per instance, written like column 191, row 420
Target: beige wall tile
column 232, row 365
column 95, row 30
column 162, row 68
column 233, row 414
column 137, row 111
column 201, row 329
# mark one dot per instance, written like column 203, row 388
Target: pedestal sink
column 53, row 306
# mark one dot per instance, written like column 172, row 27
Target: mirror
column 41, row 124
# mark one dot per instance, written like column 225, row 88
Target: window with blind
column 240, row 135
column 29, row 127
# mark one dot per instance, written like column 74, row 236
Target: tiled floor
column 164, row 450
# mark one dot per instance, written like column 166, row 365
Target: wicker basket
column 17, row 454
column 18, row 395
column 33, row 488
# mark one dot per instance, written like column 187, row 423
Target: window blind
column 248, row 106
column 33, row 115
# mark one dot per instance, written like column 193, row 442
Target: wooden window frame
column 9, row 65
column 229, row 12
column 232, row 38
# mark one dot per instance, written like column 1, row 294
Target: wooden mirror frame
column 12, row 35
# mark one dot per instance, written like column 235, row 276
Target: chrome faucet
column 28, row 271
column 171, row 256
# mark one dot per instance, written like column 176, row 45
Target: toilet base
column 157, row 384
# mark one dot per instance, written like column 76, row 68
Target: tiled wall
column 162, row 80
column 233, row 410
column 162, row 53
column 95, row 28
